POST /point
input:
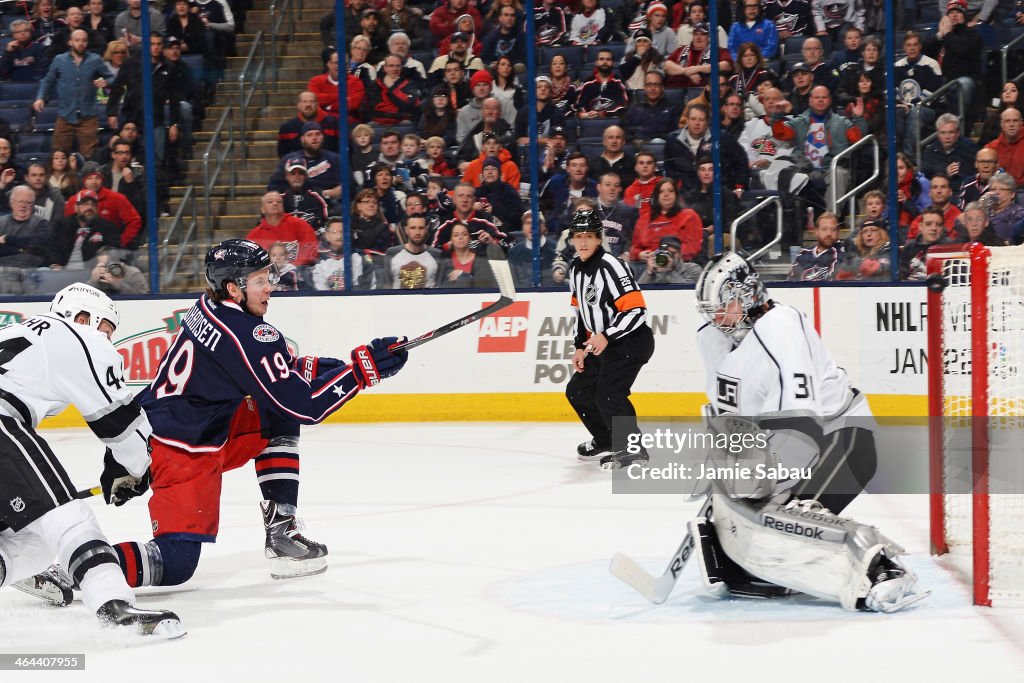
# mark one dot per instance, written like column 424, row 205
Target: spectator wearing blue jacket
column 76, row 74
column 754, row 28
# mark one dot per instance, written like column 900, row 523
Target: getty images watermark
column 699, row 442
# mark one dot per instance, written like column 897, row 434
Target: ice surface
column 479, row 552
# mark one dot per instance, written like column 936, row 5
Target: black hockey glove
column 118, row 485
column 375, row 361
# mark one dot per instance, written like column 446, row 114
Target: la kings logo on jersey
column 728, row 392
column 17, row 504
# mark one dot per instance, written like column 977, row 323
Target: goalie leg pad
column 805, row 548
column 721, row 575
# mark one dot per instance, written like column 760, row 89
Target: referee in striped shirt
column 613, row 342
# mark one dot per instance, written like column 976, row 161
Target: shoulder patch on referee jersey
column 266, row 333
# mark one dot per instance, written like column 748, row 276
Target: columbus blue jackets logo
column 266, row 333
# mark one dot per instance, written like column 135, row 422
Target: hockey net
column 976, row 320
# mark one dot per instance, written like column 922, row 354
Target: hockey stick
column 89, row 493
column 503, row 275
column 657, row 589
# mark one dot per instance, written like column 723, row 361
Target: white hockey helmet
column 82, row 298
column 728, row 277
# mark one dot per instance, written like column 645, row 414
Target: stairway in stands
column 298, row 60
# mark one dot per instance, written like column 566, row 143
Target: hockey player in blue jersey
column 228, row 391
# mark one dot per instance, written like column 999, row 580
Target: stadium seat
column 676, row 96
column 33, row 143
column 655, row 148
column 23, row 159
column 594, row 128
column 13, row 90
column 425, row 57
column 46, row 120
column 618, row 49
column 19, row 119
column 573, row 54
column 792, row 46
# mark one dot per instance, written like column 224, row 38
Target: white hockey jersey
column 47, row 363
column 781, row 366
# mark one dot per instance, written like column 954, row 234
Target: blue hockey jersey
column 221, row 355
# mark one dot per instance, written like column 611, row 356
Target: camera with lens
column 662, row 257
column 115, row 269
column 559, row 268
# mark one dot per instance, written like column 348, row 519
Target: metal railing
column 255, row 72
column 221, row 150
column 919, row 143
column 851, row 195
column 750, row 213
column 1005, row 51
column 185, row 237
column 281, row 12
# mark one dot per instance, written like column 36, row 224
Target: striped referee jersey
column 606, row 298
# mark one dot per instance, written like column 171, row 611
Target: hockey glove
column 374, row 362
column 118, row 485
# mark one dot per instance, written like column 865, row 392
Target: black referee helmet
column 585, row 220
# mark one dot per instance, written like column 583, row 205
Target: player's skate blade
column 622, row 459
column 156, row 623
column 53, row 586
column 287, row 568
column 589, row 452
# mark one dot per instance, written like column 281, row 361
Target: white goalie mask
column 83, row 298
column 729, row 277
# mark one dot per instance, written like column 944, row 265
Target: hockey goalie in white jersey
column 769, row 372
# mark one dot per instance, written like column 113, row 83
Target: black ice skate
column 291, row 553
column 622, row 459
column 892, row 587
column 588, row 451
column 148, row 622
column 54, row 586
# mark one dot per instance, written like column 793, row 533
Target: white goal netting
column 1004, row 384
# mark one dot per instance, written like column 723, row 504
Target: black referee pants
column 602, row 390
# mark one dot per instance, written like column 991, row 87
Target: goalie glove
column 375, row 361
column 118, row 485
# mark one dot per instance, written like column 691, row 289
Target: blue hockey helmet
column 233, row 261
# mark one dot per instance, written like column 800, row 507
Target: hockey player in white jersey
column 768, row 372
column 47, row 362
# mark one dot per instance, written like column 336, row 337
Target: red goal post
column 976, row 320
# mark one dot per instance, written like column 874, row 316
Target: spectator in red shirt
column 112, row 206
column 667, row 216
column 443, row 18
column 1010, row 143
column 278, row 226
column 325, row 87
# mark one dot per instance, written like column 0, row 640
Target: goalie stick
column 657, row 589
column 503, row 275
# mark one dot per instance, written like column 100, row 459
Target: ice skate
column 893, row 588
column 291, row 554
column 622, row 459
column 588, row 451
column 54, row 586
column 157, row 623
